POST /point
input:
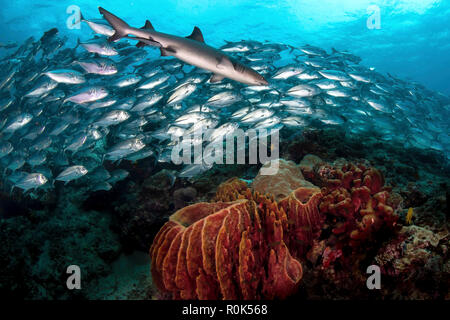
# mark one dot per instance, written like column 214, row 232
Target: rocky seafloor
column 108, row 234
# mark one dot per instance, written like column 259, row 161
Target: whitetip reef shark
column 192, row 50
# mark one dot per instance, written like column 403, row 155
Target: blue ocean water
column 410, row 38
column 115, row 207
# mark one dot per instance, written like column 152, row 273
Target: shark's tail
column 120, row 26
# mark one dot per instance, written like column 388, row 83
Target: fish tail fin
column 78, row 43
column 121, row 28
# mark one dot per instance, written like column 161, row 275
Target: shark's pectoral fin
column 148, row 25
column 219, row 63
column 116, row 36
column 223, row 63
column 196, row 35
column 167, row 51
column 216, row 78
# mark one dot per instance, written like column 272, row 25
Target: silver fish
column 72, row 173
column 43, row 88
column 303, row 90
column 37, row 158
column 257, row 115
column 124, row 148
column 89, row 94
column 127, row 80
column 18, row 122
column 118, row 175
column 98, row 27
column 99, row 66
column 101, row 48
column 5, row 148
column 224, row 99
column 31, row 181
column 147, row 101
column 112, row 118
column 181, row 93
column 288, row 72
column 142, row 154
column 154, row 81
column 335, row 75
column 76, row 142
column 102, row 186
column 66, row 76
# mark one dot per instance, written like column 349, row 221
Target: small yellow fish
column 409, row 215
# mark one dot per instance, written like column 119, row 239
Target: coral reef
column 329, row 233
column 92, row 230
column 357, row 201
column 184, row 196
column 38, row 247
column 224, row 250
column 231, row 190
column 243, row 249
column 416, row 260
column 359, row 214
column 309, row 164
column 141, row 209
column 288, row 178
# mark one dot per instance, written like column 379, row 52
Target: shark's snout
column 263, row 81
column 259, row 80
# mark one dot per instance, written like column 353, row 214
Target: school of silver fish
column 66, row 111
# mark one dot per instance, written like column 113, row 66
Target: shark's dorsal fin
column 196, row 35
column 148, row 25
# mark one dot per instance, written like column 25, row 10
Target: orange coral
column 248, row 244
column 308, row 165
column 288, row 178
column 356, row 196
column 223, row 253
column 305, row 220
column 231, row 190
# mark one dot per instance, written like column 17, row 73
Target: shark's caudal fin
column 120, row 26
